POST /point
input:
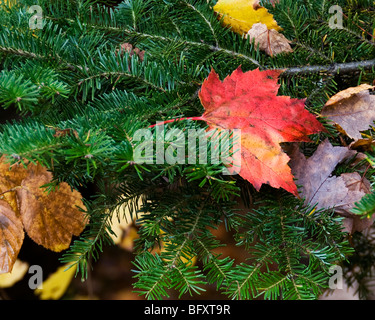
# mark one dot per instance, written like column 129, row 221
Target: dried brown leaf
column 50, row 218
column 320, row 187
column 128, row 47
column 352, row 109
column 269, row 40
column 11, row 237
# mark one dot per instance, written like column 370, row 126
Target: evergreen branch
column 120, row 74
column 366, row 206
column 20, row 52
column 213, row 48
column 205, row 20
column 342, row 68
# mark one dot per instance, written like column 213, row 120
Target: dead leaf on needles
column 352, row 109
column 320, row 187
column 269, row 40
column 49, row 218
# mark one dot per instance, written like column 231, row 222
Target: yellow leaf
column 127, row 242
column 18, row 272
column 241, row 15
column 121, row 224
column 56, row 284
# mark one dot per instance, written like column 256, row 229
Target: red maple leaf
column 249, row 101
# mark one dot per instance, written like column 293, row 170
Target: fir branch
column 339, row 68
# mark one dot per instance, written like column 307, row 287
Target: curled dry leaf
column 320, row 187
column 242, row 14
column 269, row 40
column 352, row 110
column 50, row 219
column 11, row 236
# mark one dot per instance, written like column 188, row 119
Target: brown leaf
column 347, row 93
column 11, row 237
column 352, row 109
column 321, row 188
column 128, row 47
column 10, row 177
column 50, row 219
column 313, row 173
column 269, row 40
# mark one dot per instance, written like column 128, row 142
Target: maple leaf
column 249, row 102
column 270, row 41
column 240, row 15
column 353, row 110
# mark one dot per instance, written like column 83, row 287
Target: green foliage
column 81, row 99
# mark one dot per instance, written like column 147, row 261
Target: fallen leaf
column 249, row 102
column 56, row 284
column 19, row 270
column 240, row 15
column 270, row 41
column 130, row 234
column 10, row 177
column 122, row 224
column 50, row 218
column 128, row 47
column 347, row 93
column 363, row 144
column 352, row 109
column 319, row 187
column 11, row 237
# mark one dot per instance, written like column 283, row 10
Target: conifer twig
column 347, row 67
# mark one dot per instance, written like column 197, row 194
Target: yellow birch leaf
column 50, row 218
column 240, row 15
column 19, row 270
column 57, row 283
